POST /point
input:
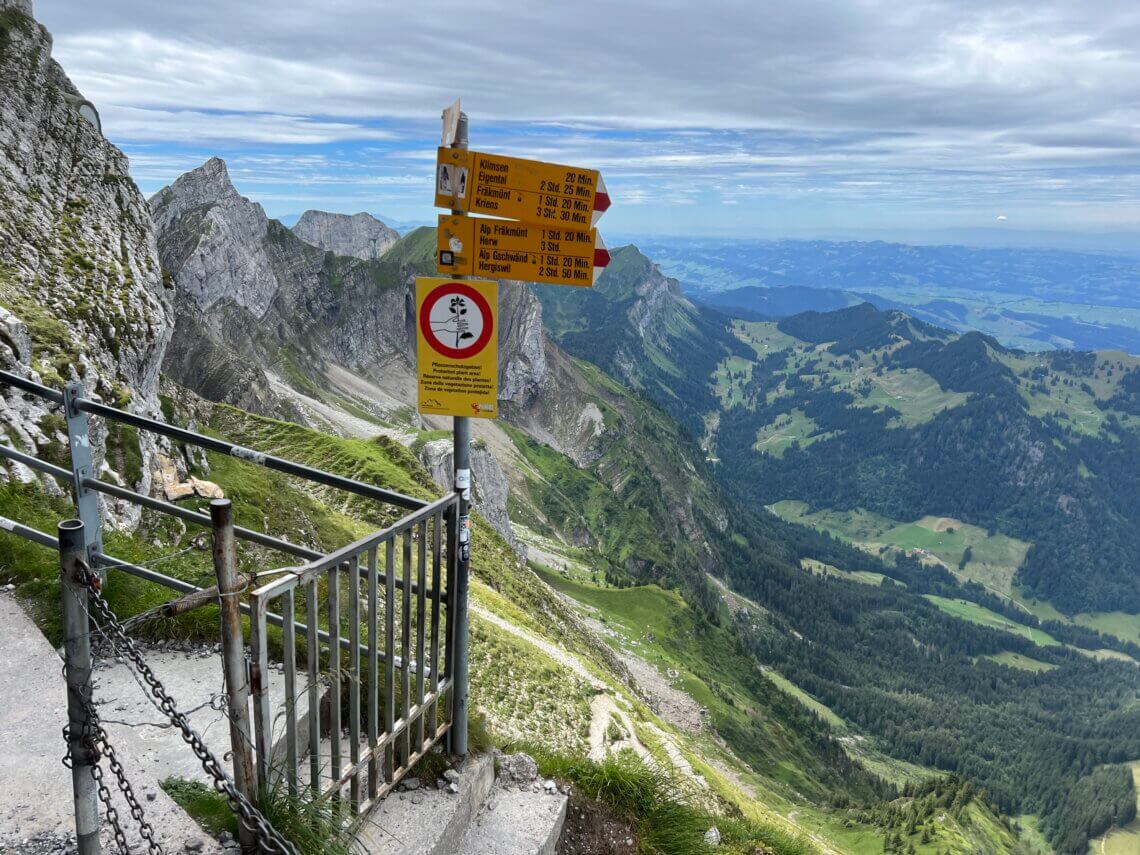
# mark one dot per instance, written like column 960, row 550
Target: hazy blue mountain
column 1035, row 299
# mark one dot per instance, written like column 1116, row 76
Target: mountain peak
column 213, row 222
column 205, row 186
column 632, row 274
column 212, row 177
column 356, row 235
column 215, row 168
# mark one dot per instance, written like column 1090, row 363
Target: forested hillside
column 905, row 420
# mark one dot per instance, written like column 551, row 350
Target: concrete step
column 428, row 821
column 516, row 822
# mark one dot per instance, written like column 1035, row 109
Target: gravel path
column 603, row 706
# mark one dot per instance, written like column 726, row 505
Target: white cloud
column 196, row 126
column 911, row 102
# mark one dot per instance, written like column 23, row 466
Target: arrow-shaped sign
column 528, row 190
column 502, row 249
column 601, row 199
column 601, row 256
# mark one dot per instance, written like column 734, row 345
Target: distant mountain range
column 1032, row 299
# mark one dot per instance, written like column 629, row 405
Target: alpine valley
column 852, row 581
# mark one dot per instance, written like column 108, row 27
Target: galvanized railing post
column 82, row 469
column 77, row 670
column 230, row 587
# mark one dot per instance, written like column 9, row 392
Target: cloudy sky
column 711, row 117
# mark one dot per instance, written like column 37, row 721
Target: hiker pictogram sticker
column 457, row 347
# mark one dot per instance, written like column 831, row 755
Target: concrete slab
column 35, row 788
column 428, row 821
column 516, row 822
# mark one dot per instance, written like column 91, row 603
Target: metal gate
column 372, row 698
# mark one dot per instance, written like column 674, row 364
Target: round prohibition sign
column 456, row 321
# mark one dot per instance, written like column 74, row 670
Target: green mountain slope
column 876, row 411
column 636, row 326
column 819, row 406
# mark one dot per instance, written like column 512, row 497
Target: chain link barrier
column 269, row 840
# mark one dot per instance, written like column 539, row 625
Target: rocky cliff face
column 214, row 241
column 522, row 346
column 81, row 291
column 357, row 235
column 489, row 485
column 658, row 297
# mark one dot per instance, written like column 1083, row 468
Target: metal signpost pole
column 458, row 616
column 230, row 586
column 77, row 669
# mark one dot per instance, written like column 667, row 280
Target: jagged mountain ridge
column 323, row 317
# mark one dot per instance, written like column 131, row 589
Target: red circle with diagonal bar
column 456, row 289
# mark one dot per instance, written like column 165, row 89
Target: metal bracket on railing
column 83, row 468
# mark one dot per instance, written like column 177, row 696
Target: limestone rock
column 488, row 483
column 174, row 489
column 518, row 770
column 206, row 489
column 79, row 273
column 356, row 235
column 522, row 351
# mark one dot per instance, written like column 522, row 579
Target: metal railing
column 395, row 708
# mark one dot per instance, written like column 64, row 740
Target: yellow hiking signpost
column 528, row 190
column 505, row 249
column 543, row 232
column 457, row 347
column 540, row 228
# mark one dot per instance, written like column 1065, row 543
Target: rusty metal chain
column 268, row 838
column 109, row 809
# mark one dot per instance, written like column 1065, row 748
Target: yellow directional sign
column 516, row 189
column 504, row 249
column 457, row 347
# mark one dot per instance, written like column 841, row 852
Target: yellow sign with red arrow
column 504, row 249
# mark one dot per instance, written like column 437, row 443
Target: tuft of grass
column 312, row 825
column 658, row 806
column 205, row 804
